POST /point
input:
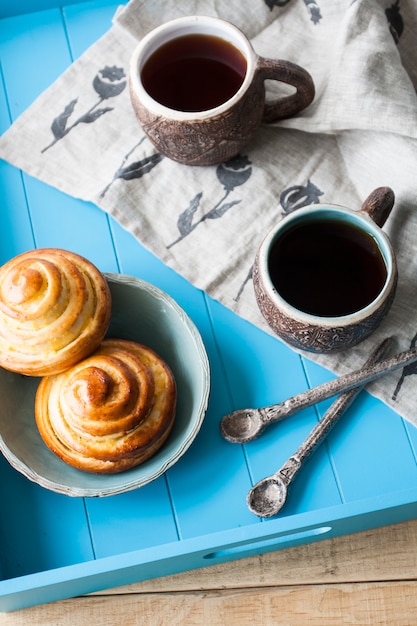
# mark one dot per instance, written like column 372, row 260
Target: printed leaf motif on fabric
column 139, row 168
column 134, row 170
column 243, row 285
column 311, row 5
column 395, row 20
column 408, row 370
column 92, row 116
column 276, row 3
column 60, row 123
column 314, row 10
column 217, row 212
column 231, row 174
column 185, row 220
column 108, row 83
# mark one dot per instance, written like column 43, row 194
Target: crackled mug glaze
column 206, row 136
column 321, row 296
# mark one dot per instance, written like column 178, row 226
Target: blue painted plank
column 42, row 530
column 208, row 484
column 16, row 229
column 64, row 222
column 5, row 118
column 10, row 9
column 132, row 521
column 412, row 434
column 261, row 369
column 87, row 22
column 25, row 49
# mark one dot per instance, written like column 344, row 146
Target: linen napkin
column 206, row 223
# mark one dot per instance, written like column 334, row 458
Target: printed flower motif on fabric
column 395, row 20
column 107, row 83
column 231, row 174
column 297, row 196
column 312, row 7
column 408, row 370
column 134, row 170
column 291, row 199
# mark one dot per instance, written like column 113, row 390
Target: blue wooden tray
column 52, row 546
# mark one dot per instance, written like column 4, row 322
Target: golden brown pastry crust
column 55, row 309
column 110, row 412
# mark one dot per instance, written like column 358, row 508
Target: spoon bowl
column 267, row 497
column 242, row 426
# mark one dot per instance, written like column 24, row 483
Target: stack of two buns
column 102, row 405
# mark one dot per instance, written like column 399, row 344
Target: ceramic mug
column 325, row 276
column 223, row 93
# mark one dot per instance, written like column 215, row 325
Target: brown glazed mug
column 325, row 276
column 192, row 128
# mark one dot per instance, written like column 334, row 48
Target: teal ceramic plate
column 144, row 313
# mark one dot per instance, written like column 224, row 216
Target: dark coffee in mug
column 327, row 267
column 194, row 72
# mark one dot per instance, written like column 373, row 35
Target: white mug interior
column 195, row 24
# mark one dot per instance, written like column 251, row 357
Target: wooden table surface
column 369, row 578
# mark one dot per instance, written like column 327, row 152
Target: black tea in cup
column 194, row 72
column 327, row 268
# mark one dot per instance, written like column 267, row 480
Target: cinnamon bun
column 55, row 309
column 110, row 412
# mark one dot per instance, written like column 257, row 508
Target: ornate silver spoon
column 269, row 495
column 245, row 425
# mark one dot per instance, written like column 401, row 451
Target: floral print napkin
column 206, row 223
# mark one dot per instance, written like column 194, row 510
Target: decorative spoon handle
column 245, row 425
column 329, row 419
column 363, row 376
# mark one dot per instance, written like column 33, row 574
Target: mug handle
column 292, row 74
column 378, row 204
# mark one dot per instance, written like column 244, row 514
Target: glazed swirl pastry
column 110, row 412
column 55, row 309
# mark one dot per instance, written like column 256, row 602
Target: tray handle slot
column 261, row 545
